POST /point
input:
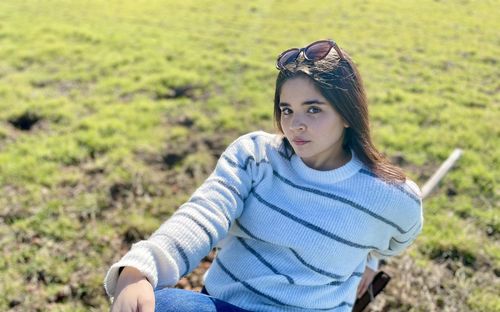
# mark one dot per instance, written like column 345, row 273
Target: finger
column 361, row 289
column 360, row 294
column 361, row 284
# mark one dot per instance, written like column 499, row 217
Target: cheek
column 319, row 125
column 283, row 127
column 287, row 132
column 284, row 123
column 330, row 129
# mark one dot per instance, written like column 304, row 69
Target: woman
column 300, row 218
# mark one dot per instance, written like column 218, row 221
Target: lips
column 298, row 141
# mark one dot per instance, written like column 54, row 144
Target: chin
column 304, row 154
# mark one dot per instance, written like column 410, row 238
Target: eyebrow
column 308, row 102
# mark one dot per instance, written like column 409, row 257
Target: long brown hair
column 339, row 81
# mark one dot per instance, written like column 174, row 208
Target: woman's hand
column 365, row 281
column 134, row 293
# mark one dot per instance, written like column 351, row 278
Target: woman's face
column 311, row 125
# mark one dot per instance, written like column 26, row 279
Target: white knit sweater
column 292, row 238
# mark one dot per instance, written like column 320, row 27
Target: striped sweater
column 291, row 238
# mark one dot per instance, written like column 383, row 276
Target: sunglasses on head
column 314, row 52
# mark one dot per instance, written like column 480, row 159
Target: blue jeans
column 179, row 300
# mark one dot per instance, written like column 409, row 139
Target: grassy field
column 112, row 112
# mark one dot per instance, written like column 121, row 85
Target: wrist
column 128, row 276
column 129, row 272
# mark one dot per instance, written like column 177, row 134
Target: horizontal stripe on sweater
column 202, row 201
column 268, row 297
column 412, row 196
column 309, row 225
column 322, row 193
column 367, row 172
column 296, row 254
column 263, row 261
column 199, row 224
column 179, row 249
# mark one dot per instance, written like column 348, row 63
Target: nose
column 297, row 124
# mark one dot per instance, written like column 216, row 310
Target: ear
column 346, row 125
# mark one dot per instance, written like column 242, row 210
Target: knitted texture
column 291, row 238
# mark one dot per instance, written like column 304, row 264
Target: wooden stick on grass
column 440, row 173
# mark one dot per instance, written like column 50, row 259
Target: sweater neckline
column 327, row 176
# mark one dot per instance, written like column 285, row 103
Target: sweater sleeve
column 179, row 244
column 410, row 219
column 372, row 262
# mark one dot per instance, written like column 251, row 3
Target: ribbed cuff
column 372, row 262
column 146, row 257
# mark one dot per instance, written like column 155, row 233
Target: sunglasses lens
column 288, row 56
column 318, row 50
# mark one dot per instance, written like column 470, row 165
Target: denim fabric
column 178, row 300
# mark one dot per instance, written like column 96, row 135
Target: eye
column 313, row 110
column 286, row 111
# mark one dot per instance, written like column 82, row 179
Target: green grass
column 117, row 86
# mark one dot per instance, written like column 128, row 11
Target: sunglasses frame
column 331, row 43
